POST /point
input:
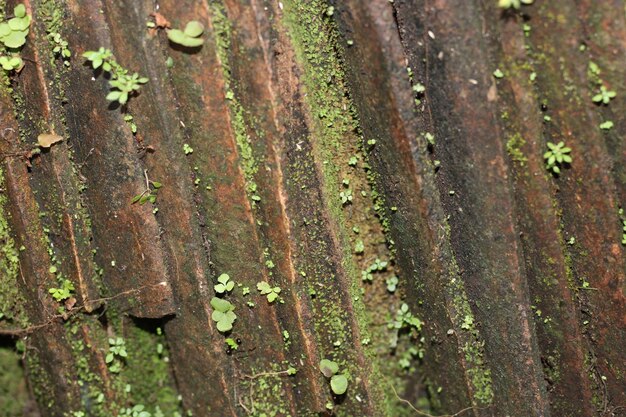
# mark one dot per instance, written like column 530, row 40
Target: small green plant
column 604, row 96
column 11, row 63
column 607, row 125
column 377, row 266
column 63, row 293
column 404, row 318
column 189, row 37
column 498, row 73
column 338, row 382
column 225, row 284
column 13, row 32
column 515, row 4
column 61, row 47
column 266, row 289
column 223, row 314
column 116, row 354
column 187, row 149
column 359, row 247
column 135, row 411
column 231, row 344
column 149, row 194
column 346, row 197
column 123, row 84
column 13, row 35
column 556, row 156
column 392, row 284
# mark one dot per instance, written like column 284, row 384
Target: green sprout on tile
column 63, row 293
column 223, row 314
column 338, row 382
column 116, row 354
column 225, row 284
column 604, row 96
column 556, row 156
column 123, row 84
column 188, row 37
column 269, row 291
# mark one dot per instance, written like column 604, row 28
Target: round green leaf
column 328, row 367
column 19, row 10
column 4, row 29
column 192, row 42
column 19, row 23
column 176, row 36
column 15, row 39
column 194, row 29
column 339, row 384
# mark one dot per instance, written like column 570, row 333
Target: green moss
column 147, row 371
column 11, row 300
column 514, row 148
column 222, row 33
column 13, row 390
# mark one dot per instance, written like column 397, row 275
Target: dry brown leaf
column 160, row 21
column 46, row 140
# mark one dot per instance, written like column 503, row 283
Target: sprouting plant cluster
column 64, row 292
column 53, row 17
column 338, row 381
column 13, row 35
column 116, row 354
column 377, row 266
column 557, row 156
column 123, row 84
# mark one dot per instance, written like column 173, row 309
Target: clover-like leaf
column 339, row 384
column 194, row 29
column 328, row 367
column 15, row 39
column 19, row 10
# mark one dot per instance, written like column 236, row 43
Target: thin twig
column 423, row 413
column 67, row 315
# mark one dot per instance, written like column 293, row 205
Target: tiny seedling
column 63, row 293
column 556, row 156
column 515, row 4
column 346, row 197
column 266, row 289
column 359, row 247
column 607, row 125
column 149, row 194
column 117, row 352
column 187, row 149
column 405, row 319
column 498, row 73
column 604, row 96
column 189, row 37
column 223, row 314
column 135, row 411
column 392, row 284
column 225, row 284
column 123, row 84
column 61, row 47
column 10, row 63
column 232, row 344
column 338, row 382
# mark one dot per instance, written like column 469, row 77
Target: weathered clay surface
column 364, row 157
